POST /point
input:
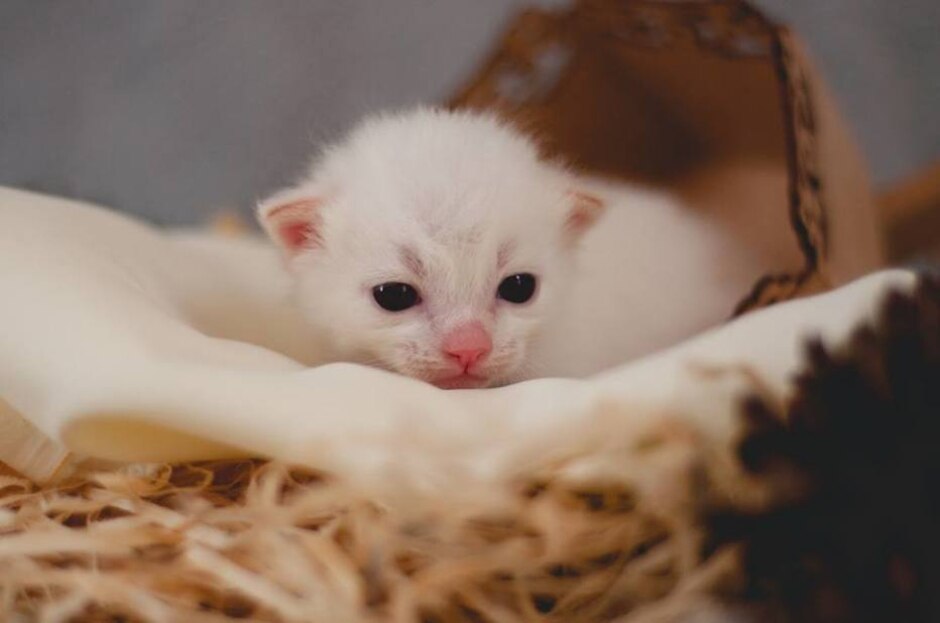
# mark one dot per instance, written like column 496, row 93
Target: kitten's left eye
column 517, row 288
column 395, row 296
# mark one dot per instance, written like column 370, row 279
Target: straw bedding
column 846, row 532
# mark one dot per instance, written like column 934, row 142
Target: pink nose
column 467, row 344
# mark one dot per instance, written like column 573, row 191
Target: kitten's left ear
column 292, row 219
column 584, row 211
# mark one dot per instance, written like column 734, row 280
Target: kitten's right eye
column 395, row 296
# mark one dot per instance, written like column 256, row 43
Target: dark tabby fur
column 864, row 432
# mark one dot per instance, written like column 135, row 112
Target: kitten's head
column 432, row 244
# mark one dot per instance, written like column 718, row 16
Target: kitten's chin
column 461, row 381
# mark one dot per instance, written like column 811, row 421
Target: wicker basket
column 682, row 518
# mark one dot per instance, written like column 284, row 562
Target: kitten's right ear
column 585, row 210
column 292, row 219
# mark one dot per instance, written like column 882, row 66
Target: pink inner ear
column 295, row 224
column 295, row 235
column 587, row 209
column 579, row 220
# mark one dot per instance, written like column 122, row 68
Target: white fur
column 457, row 187
column 650, row 273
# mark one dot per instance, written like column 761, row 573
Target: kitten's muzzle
column 467, row 344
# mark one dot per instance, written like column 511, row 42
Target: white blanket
column 120, row 342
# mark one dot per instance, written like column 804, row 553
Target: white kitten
column 441, row 246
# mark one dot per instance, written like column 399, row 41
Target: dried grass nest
column 262, row 541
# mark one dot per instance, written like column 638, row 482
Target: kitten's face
column 439, row 261
column 429, row 306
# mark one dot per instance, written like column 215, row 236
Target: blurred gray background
column 174, row 109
